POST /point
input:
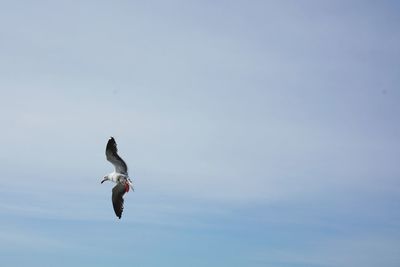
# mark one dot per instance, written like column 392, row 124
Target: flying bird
column 118, row 176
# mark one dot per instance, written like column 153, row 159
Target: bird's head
column 105, row 178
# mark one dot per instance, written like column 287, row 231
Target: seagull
column 118, row 176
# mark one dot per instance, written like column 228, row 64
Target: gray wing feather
column 117, row 199
column 113, row 157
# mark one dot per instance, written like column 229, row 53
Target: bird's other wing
column 113, row 157
column 117, row 199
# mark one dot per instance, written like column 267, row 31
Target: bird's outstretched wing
column 113, row 157
column 117, row 199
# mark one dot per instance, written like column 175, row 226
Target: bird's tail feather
column 131, row 184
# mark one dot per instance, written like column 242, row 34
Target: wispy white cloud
column 24, row 239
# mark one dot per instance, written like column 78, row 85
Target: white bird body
column 113, row 177
column 117, row 177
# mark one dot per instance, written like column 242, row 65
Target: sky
column 257, row 133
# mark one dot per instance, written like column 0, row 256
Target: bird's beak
column 103, row 180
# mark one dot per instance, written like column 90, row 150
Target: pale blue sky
column 259, row 133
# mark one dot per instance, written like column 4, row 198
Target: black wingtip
column 111, row 142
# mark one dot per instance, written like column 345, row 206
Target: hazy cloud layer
column 258, row 133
